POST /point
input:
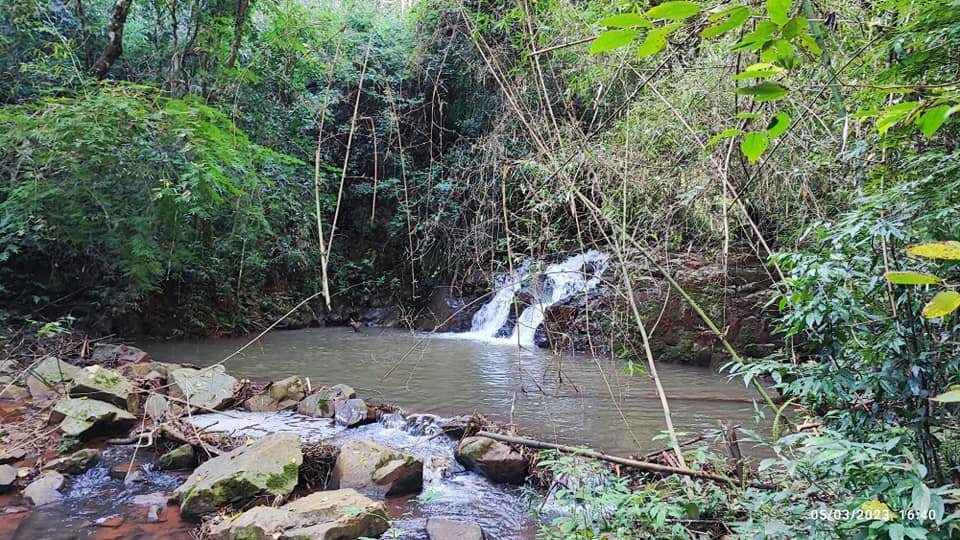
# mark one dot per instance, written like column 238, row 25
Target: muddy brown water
column 569, row 399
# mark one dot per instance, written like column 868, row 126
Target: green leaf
column 778, row 10
column 953, row 396
column 811, row 44
column 731, row 18
column 656, row 40
column 766, row 91
column 944, row 303
column 795, row 27
column 723, row 135
column 894, row 114
column 911, row 278
column 778, row 125
column 936, row 250
column 612, row 39
column 626, row 20
column 753, row 145
column 676, row 11
column 932, row 119
column 748, row 115
column 778, row 50
column 761, row 34
column 758, row 71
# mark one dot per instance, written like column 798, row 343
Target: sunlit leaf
column 748, row 115
column 656, row 40
column 753, row 145
column 758, row 71
column 677, row 10
column 911, row 278
column 877, row 510
column 795, row 27
column 894, row 114
column 766, row 91
column 810, row 44
column 952, row 395
column 612, row 39
column 778, row 125
column 936, row 250
column 626, row 20
column 762, row 33
column 723, row 135
column 726, row 21
column 931, row 120
column 943, row 303
column 778, row 10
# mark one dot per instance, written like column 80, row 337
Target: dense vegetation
column 235, row 154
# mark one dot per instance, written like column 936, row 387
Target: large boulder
column 493, row 459
column 269, row 467
column 289, row 389
column 325, row 515
column 316, row 405
column 376, row 469
column 353, row 412
column 89, row 417
column 44, row 489
column 449, row 529
column 50, row 377
column 103, row 384
column 208, row 388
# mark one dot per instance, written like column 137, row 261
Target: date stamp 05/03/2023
column 871, row 512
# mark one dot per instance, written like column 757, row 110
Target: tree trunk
column 242, row 6
column 115, row 35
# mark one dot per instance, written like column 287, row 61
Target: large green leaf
column 723, row 135
column 762, row 33
column 931, row 120
column 612, row 39
column 656, row 40
column 626, row 20
column 753, row 145
column 778, row 125
column 894, row 114
column 936, row 250
column 911, row 278
column 758, row 71
column 677, row 10
column 726, row 21
column 765, row 91
column 944, row 303
column 778, row 10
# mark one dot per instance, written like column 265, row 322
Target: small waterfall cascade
column 556, row 283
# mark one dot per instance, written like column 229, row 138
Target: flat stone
column 325, row 515
column 111, row 522
column 75, row 463
column 289, row 389
column 8, row 475
column 50, row 378
column 317, row 406
column 493, row 459
column 9, row 366
column 261, row 403
column 89, row 417
column 352, row 412
column 107, row 385
column 449, row 529
column 44, row 490
column 376, row 470
column 209, row 388
column 341, row 391
column 16, row 393
column 109, row 354
column 269, row 466
column 12, row 456
column 125, row 471
column 180, row 458
column 151, row 499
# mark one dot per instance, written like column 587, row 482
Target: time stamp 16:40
column 869, row 514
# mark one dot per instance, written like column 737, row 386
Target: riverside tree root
column 642, row 465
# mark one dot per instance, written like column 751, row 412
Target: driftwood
column 642, row 465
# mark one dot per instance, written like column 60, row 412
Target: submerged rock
column 325, row 515
column 180, row 458
column 269, row 466
column 449, row 529
column 77, row 462
column 493, row 459
column 50, row 377
column 89, row 417
column 107, row 385
column 208, row 388
column 317, row 406
column 353, row 412
column 45, row 489
column 376, row 469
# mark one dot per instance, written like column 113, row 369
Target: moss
column 476, row 449
column 284, row 480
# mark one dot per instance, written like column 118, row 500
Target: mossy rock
column 377, row 470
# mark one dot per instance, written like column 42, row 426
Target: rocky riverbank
column 65, row 417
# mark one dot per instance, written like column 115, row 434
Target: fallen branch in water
column 642, row 465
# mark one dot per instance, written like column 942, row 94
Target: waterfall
column 555, row 284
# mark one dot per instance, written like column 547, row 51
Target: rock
column 261, row 403
column 16, row 393
column 11, row 456
column 353, row 412
column 109, row 355
column 449, row 309
column 325, row 515
column 76, row 463
column 44, row 490
column 493, row 459
column 180, row 458
column 151, row 499
column 135, row 477
column 143, row 371
column 289, row 389
column 8, row 475
column 103, row 384
column 126, row 471
column 448, row 529
column 49, row 378
column 269, row 466
column 111, row 522
column 338, row 391
column 376, row 470
column 9, row 367
column 209, row 388
column 89, row 417
column 384, row 316
column 156, row 407
column 153, row 513
column 315, row 405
